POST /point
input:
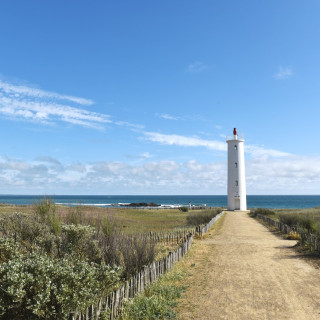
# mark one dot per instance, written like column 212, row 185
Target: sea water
column 253, row 201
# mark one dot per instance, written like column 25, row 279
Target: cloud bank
column 46, row 175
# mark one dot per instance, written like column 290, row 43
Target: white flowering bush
column 40, row 287
column 8, row 250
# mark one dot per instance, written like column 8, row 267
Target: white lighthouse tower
column 237, row 196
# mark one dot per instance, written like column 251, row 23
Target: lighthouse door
column 237, row 204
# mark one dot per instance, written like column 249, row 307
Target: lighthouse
column 237, row 196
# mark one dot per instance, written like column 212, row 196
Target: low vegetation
column 54, row 259
column 49, row 268
column 158, row 301
column 199, row 217
column 263, row 211
column 304, row 222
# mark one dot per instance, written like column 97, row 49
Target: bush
column 263, row 211
column 136, row 252
column 184, row 209
column 294, row 236
column 46, row 212
column 29, row 232
column 75, row 216
column 8, row 250
column 40, row 287
column 298, row 220
column 202, row 217
column 79, row 242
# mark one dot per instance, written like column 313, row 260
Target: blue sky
column 137, row 97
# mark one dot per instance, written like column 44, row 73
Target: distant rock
column 141, row 204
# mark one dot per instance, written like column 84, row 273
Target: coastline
column 172, row 201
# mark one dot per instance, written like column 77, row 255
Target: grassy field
column 128, row 219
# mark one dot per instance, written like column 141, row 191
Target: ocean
column 253, row 201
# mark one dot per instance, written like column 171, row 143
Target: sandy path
column 243, row 271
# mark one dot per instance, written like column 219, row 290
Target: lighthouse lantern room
column 237, row 197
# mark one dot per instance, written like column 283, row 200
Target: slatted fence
column 309, row 239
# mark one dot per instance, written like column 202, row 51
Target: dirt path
column 242, row 271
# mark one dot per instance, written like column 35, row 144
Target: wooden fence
column 279, row 225
column 113, row 303
column 171, row 237
column 309, row 239
column 200, row 230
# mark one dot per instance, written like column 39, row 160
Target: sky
column 137, row 97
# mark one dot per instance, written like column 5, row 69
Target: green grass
column 158, row 301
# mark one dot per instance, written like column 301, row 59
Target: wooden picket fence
column 201, row 230
column 177, row 236
column 113, row 303
column 309, row 239
column 279, row 225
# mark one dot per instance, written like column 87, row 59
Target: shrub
column 46, row 212
column 8, row 250
column 79, row 242
column 40, row 287
column 132, row 252
column 75, row 216
column 136, row 252
column 184, row 209
column 202, row 217
column 299, row 220
column 108, row 226
column 294, row 236
column 289, row 219
column 263, row 211
column 29, row 232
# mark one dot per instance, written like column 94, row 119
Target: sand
column 243, row 271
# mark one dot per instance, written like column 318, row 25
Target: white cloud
column 174, row 139
column 289, row 175
column 46, row 175
column 25, row 91
column 129, row 125
column 146, row 155
column 26, row 103
column 46, row 159
column 167, row 116
column 197, row 67
column 178, row 140
column 259, row 152
column 283, row 73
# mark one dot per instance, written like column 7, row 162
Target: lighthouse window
column 235, row 147
column 236, row 164
column 237, row 183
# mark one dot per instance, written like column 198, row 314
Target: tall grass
column 200, row 217
column 263, row 211
column 307, row 222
